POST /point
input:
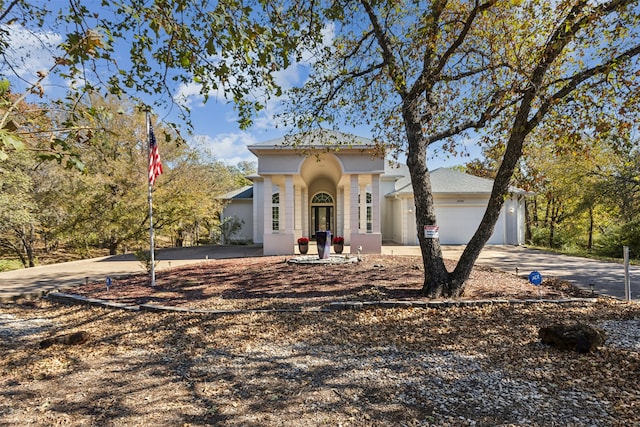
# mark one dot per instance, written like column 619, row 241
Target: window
column 369, row 213
column 275, row 212
column 322, row 198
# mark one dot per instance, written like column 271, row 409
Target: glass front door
column 321, row 219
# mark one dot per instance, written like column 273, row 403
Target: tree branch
column 489, row 113
column 579, row 78
column 388, row 58
column 7, row 11
column 427, row 76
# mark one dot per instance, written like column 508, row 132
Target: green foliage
column 540, row 236
column 597, row 187
column 106, row 206
column 231, row 47
column 616, row 236
column 10, row 264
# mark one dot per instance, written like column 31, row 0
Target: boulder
column 74, row 338
column 577, row 337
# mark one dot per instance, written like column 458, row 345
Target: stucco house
column 365, row 199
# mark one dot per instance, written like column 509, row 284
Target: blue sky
column 214, row 123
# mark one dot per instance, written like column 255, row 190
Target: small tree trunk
column 16, row 249
column 27, row 240
column 590, row 242
column 527, row 221
column 113, row 245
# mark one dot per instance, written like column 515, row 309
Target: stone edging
column 331, row 307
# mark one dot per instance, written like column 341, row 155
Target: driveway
column 607, row 278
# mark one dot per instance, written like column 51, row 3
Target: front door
column 321, row 218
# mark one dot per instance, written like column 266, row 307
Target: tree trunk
column 590, row 242
column 438, row 282
column 27, row 240
column 547, row 215
column 436, row 276
column 556, row 218
column 513, row 152
column 528, row 220
column 113, row 245
column 9, row 244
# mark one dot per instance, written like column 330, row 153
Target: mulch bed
column 271, row 282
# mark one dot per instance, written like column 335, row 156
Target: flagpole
column 150, row 197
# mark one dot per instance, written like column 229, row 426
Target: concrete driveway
column 607, row 278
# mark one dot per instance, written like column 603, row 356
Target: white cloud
column 29, row 52
column 189, row 95
column 291, row 76
column 294, row 75
column 229, row 148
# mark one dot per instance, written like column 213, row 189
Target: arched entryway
column 322, row 213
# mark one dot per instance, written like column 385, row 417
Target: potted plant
column 303, row 245
column 338, row 244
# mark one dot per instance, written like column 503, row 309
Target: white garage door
column 458, row 223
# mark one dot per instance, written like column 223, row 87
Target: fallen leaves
column 271, row 283
column 418, row 366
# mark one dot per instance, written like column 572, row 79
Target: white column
column 267, row 194
column 305, row 212
column 297, row 210
column 375, row 206
column 353, row 221
column 254, row 205
column 339, row 212
column 288, row 204
column 346, row 216
column 363, row 208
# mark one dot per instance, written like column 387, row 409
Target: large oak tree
column 425, row 73
column 422, row 74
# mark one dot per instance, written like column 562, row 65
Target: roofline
column 308, row 141
column 318, row 147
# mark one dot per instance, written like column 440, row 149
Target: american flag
column 155, row 166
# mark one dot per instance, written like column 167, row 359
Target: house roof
column 451, row 181
column 395, row 170
column 315, row 139
column 245, row 192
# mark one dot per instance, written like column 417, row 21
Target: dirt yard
column 457, row 366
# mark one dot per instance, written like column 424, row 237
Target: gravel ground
column 456, row 366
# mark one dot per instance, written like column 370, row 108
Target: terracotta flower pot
column 303, row 247
column 338, row 248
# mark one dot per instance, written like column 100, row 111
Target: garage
column 459, row 223
column 460, row 201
